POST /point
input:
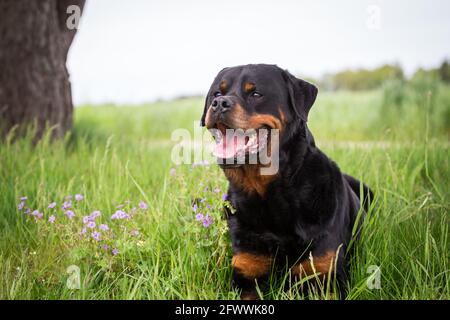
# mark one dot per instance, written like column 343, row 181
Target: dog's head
column 256, row 99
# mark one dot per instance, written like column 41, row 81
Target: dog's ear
column 302, row 95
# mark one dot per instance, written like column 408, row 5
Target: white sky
column 138, row 51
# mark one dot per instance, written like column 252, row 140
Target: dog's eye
column 256, row 94
column 217, row 94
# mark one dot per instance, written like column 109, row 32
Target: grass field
column 396, row 142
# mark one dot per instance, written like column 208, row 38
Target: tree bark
column 34, row 81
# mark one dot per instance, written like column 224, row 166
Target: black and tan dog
column 303, row 215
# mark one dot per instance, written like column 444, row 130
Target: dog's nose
column 222, row 104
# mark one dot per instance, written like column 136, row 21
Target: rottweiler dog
column 299, row 217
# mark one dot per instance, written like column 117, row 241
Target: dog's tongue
column 227, row 148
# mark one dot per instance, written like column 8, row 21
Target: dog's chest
column 268, row 225
column 275, row 212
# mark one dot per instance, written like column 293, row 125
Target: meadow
column 117, row 161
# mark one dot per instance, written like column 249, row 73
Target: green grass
column 118, row 153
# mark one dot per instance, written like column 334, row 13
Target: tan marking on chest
column 249, row 178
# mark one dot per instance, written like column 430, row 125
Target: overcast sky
column 142, row 50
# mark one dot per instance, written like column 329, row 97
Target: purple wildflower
column 116, row 215
column 21, row 205
column 143, row 205
column 114, row 251
column 225, row 197
column 105, row 247
column 195, row 207
column 90, row 225
column 68, row 197
column 52, row 205
column 207, row 221
column 96, row 235
column 84, row 230
column 85, row 219
column 51, row 219
column 66, row 205
column 79, row 197
column 37, row 215
column 216, row 190
column 119, row 215
column 199, row 216
column 23, row 198
column 70, row 214
column 27, row 211
column 94, row 215
column 103, row 227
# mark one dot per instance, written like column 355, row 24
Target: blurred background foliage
column 367, row 79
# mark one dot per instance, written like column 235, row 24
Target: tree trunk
column 34, row 82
